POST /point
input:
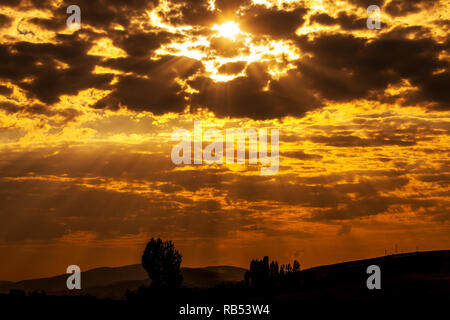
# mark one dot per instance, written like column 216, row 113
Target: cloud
column 302, row 155
column 225, row 47
column 367, row 207
column 40, row 62
column 333, row 67
column 230, row 6
column 354, row 141
column 344, row 20
column 398, row 8
column 246, row 97
column 140, row 94
column 140, row 43
column 84, row 161
column 442, row 179
column 345, row 67
column 116, row 190
column 232, row 67
column 6, row 91
column 10, row 3
column 68, row 114
column 366, row 3
column 104, row 13
column 276, row 22
column 190, row 12
column 344, row 230
column 5, row 21
column 160, row 94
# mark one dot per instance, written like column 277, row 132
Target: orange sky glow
column 86, row 118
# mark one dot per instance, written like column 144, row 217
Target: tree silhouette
column 162, row 262
column 259, row 273
column 263, row 275
column 296, row 266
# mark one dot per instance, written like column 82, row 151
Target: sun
column 228, row 30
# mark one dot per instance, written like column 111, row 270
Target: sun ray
column 228, row 30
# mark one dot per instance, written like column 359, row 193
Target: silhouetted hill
column 425, row 274
column 113, row 282
column 422, row 273
column 409, row 283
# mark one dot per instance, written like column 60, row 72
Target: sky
column 87, row 115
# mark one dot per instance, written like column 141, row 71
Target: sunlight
column 228, row 30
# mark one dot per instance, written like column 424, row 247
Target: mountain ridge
column 113, row 282
column 98, row 279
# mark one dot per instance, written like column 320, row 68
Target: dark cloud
column 442, row 179
column 324, row 19
column 60, row 215
column 245, row 97
column 327, row 202
column 322, row 179
column 344, row 67
column 355, row 209
column 370, row 207
column 42, row 4
column 354, row 141
column 335, row 67
column 199, row 13
column 70, row 207
column 41, row 64
column 5, row 91
column 366, row 3
column 5, row 21
column 194, row 180
column 141, row 43
column 302, row 155
column 67, row 114
column 10, row 3
column 369, row 187
column 190, row 12
column 273, row 21
column 433, row 88
column 410, row 32
column 140, row 94
column 344, row 20
column 230, row 6
column 340, row 68
column 232, row 67
column 335, row 70
column 398, row 8
column 166, row 68
column 113, row 163
column 66, row 205
column 9, row 107
column 51, row 24
column 160, row 93
column 445, row 23
column 103, row 13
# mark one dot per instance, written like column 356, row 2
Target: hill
column 402, row 274
column 108, row 282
